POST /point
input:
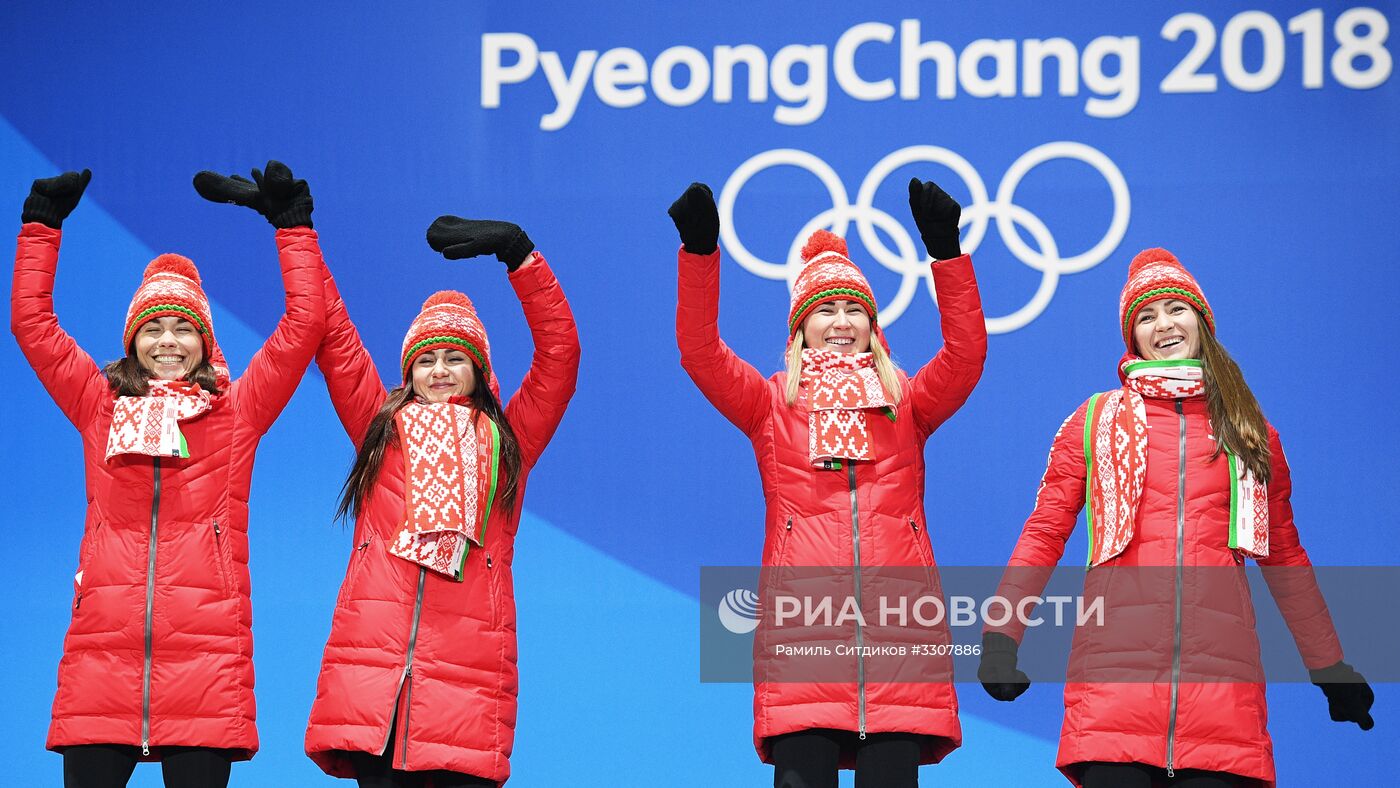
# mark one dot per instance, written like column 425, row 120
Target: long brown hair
column 1235, row 414
column 127, row 378
column 382, row 433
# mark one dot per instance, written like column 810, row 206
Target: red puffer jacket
column 440, row 652
column 160, row 648
column 1218, row 725
column 869, row 514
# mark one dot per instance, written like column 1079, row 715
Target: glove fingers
column 258, row 178
column 218, row 188
column 470, row 248
column 276, row 170
column 445, row 231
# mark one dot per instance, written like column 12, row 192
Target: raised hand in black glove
column 697, row 219
column 997, row 671
column 283, row 200
column 50, row 200
column 936, row 214
column 457, row 238
column 1349, row 697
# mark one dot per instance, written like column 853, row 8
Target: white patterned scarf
column 451, row 466
column 150, row 425
column 1115, row 451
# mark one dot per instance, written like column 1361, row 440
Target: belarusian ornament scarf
column 150, row 425
column 451, row 466
column 1115, row 449
column 840, row 388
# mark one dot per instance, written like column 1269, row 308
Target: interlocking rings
column 907, row 258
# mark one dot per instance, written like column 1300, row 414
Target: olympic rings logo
column 907, row 259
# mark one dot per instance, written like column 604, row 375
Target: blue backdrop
column 1256, row 141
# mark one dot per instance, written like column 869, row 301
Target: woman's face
column 843, row 326
column 168, row 347
column 1167, row 329
column 438, row 375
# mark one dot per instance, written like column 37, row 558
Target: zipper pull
column 217, row 532
column 362, row 545
column 145, row 750
column 913, row 525
column 1170, row 772
column 488, row 560
column 789, row 523
column 79, row 603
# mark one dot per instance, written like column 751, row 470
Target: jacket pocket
column 357, row 560
column 784, row 536
column 921, row 543
column 219, row 554
column 84, row 564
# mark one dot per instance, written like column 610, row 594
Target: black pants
column 111, row 765
column 1137, row 775
column 809, row 759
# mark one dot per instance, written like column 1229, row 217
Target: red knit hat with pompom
column 827, row 275
column 171, row 288
column 1154, row 275
column 448, row 320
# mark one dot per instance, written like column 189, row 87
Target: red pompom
column 824, row 241
column 448, row 297
column 176, row 264
column 1149, row 256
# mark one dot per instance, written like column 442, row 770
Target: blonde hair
column 885, row 368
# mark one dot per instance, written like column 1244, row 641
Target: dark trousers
column 809, row 759
column 1137, row 775
column 111, row 765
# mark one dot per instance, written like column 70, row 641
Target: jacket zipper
column 1180, row 556
column 855, row 546
column 150, row 601
column 407, row 676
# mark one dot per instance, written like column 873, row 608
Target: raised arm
column 276, row 369
column 946, row 381
column 354, row 385
column 69, row 374
column 732, row 385
column 537, row 407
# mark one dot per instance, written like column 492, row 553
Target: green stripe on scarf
column 1089, row 418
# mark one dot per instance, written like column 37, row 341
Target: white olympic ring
column 908, row 259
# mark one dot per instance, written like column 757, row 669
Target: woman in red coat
column 839, row 438
column 1180, row 471
column 157, row 663
column 418, row 681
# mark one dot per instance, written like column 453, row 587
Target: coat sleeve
column 946, row 381
column 1289, row 573
column 732, row 385
column 537, row 407
column 276, row 369
column 1057, row 506
column 352, row 381
column 70, row 375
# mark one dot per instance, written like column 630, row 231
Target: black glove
column 50, row 200
column 1349, row 697
column 936, row 214
column 281, row 199
column 457, row 238
column 697, row 219
column 997, row 671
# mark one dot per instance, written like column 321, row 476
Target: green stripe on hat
column 462, row 343
column 824, row 294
